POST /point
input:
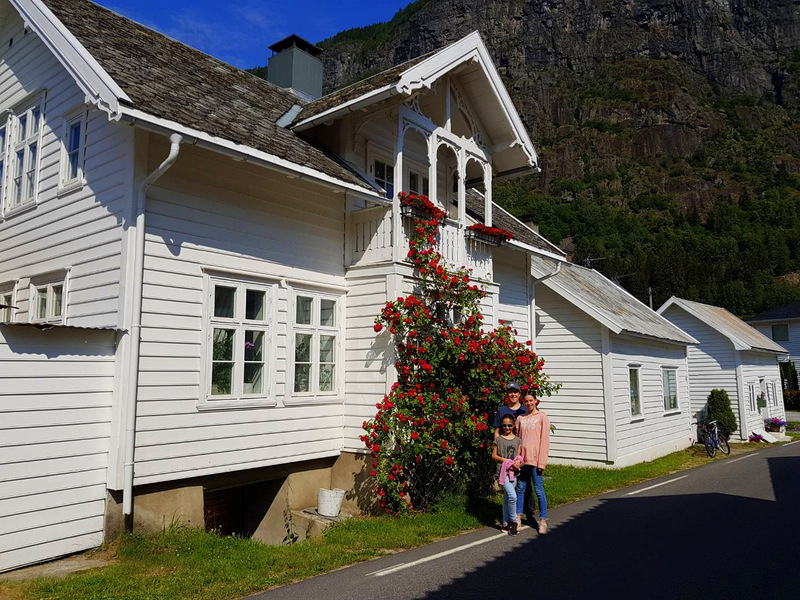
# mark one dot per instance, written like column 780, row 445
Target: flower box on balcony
column 489, row 235
column 419, row 207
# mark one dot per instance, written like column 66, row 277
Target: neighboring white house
column 782, row 325
column 732, row 356
column 625, row 394
column 193, row 258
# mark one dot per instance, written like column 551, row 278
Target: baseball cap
column 513, row 385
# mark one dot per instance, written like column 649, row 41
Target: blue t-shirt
column 505, row 410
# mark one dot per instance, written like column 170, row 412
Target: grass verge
column 187, row 564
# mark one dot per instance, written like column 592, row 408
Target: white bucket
column 329, row 502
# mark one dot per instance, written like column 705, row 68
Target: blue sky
column 239, row 32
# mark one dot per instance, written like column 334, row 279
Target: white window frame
column 374, row 153
column 5, row 127
column 28, row 168
column 45, row 285
column 316, row 330
column 751, row 395
column 66, row 181
column 772, row 332
column 670, row 410
column 237, row 398
column 8, row 291
column 635, row 370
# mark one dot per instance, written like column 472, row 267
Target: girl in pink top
column 534, row 431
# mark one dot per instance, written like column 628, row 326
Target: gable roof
column 515, row 149
column 742, row 335
column 787, row 311
column 163, row 78
column 605, row 301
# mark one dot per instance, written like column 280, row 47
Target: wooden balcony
column 370, row 242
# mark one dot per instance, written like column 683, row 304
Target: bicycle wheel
column 723, row 445
column 711, row 448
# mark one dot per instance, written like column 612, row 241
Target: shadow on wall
column 687, row 546
column 362, row 493
column 57, row 342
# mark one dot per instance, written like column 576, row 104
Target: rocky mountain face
column 656, row 121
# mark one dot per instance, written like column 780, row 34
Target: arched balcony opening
column 416, row 166
column 447, row 179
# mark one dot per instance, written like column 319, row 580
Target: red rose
column 377, row 327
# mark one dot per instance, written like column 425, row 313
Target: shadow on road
column 682, row 546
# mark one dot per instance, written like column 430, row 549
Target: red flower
column 377, row 327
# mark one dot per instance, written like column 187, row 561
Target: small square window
column 6, row 306
column 780, row 333
column 47, row 300
column 303, row 310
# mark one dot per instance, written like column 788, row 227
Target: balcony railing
column 370, row 242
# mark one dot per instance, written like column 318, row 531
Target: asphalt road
column 729, row 529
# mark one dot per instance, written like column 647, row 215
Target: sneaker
column 512, row 529
column 504, row 527
column 543, row 528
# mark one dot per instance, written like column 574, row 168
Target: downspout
column 136, row 329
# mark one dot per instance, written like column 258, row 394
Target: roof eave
column 98, row 86
column 353, row 105
column 241, row 152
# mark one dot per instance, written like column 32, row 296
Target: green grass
column 184, row 563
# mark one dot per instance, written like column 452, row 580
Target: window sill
column 234, row 404
column 672, row 413
column 310, row 400
column 637, row 419
column 23, row 208
column 71, row 186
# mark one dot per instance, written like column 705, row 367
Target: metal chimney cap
column 296, row 40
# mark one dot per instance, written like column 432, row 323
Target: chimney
column 295, row 65
column 531, row 225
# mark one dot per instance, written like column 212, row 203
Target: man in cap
column 511, row 407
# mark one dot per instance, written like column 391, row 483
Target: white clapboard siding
column 755, row 367
column 513, row 303
column 570, row 342
column 369, row 356
column 56, row 390
column 656, row 427
column 712, row 363
column 81, row 229
column 208, row 212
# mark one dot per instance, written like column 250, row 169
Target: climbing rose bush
column 433, row 431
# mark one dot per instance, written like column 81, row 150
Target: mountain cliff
column 668, row 131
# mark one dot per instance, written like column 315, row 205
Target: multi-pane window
column 6, row 305
column 418, row 183
column 72, row 158
column 24, row 133
column 636, row 400
column 316, row 344
column 384, row 177
column 239, row 339
column 670, row 381
column 780, row 332
column 47, row 301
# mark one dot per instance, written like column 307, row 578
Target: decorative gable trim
column 100, row 89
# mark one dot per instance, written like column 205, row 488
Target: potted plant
column 419, row 207
column 489, row 235
column 775, row 424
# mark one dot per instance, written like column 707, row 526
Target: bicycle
column 712, row 439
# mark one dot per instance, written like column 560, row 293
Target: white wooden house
column 194, row 257
column 625, row 394
column 732, row 356
column 782, row 326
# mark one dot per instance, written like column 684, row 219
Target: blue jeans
column 529, row 472
column 510, row 501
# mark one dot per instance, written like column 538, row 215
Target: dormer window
column 384, row 177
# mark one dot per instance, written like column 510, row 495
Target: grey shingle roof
column 358, row 89
column 729, row 325
column 606, row 298
column 787, row 311
column 170, row 80
column 502, row 219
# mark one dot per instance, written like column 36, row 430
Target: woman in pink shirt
column 534, row 431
